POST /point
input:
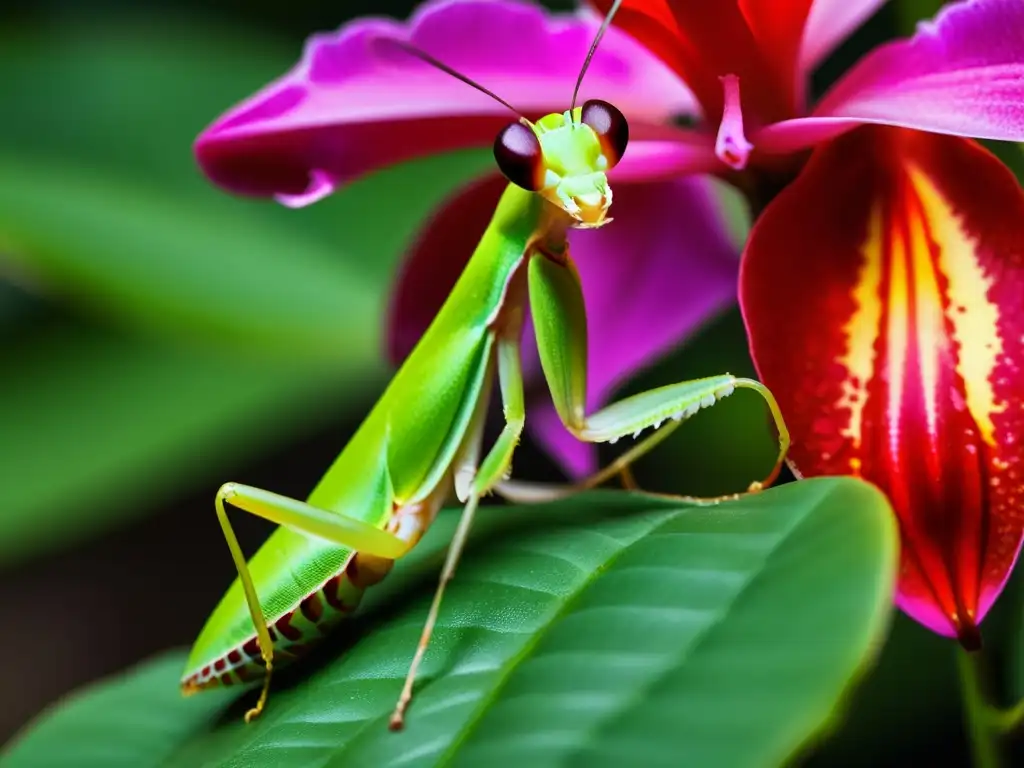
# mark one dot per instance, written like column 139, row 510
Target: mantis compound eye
column 610, row 126
column 517, row 150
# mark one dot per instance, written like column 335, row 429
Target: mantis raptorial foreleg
column 291, row 513
column 556, row 300
column 492, row 470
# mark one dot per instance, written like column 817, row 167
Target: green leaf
column 98, row 427
column 908, row 704
column 107, row 726
column 610, row 629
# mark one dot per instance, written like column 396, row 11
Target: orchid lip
column 896, row 357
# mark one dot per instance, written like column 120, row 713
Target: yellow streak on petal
column 975, row 319
column 897, row 335
column 861, row 330
column 929, row 320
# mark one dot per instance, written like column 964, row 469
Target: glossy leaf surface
column 606, row 629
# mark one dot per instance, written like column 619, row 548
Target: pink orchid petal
column 664, row 266
column 961, row 74
column 670, row 153
column 829, row 23
column 353, row 105
column 778, row 26
column 803, row 132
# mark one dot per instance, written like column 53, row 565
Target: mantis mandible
column 423, row 438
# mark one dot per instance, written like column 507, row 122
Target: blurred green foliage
column 205, row 326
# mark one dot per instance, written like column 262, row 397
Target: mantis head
column 564, row 157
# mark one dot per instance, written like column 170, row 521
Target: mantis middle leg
column 472, row 481
column 556, row 300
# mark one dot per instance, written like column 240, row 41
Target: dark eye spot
column 517, row 150
column 610, row 126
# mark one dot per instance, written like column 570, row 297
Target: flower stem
column 982, row 720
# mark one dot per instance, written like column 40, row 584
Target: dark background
column 105, row 570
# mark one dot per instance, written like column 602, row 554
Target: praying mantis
column 423, row 438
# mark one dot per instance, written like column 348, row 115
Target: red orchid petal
column 436, row 260
column 962, row 73
column 882, row 295
column 703, row 41
column 778, row 27
column 354, row 104
column 653, row 24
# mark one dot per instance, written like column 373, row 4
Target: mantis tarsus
column 423, row 438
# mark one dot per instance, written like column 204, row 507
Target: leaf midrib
column 515, row 660
column 701, row 637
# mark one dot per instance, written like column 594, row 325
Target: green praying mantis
column 423, row 438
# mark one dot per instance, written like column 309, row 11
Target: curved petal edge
column 962, row 74
column 354, row 104
column 881, row 293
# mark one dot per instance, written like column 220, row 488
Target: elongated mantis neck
column 553, row 225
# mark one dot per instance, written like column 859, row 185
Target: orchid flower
column 882, row 287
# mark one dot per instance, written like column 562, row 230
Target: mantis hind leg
column 560, row 321
column 344, row 531
column 475, row 481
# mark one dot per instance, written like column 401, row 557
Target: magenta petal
column 665, row 152
column 664, row 266
column 961, row 74
column 829, row 23
column 801, row 133
column 353, row 105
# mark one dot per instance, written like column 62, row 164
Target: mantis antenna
column 593, row 47
column 419, row 53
